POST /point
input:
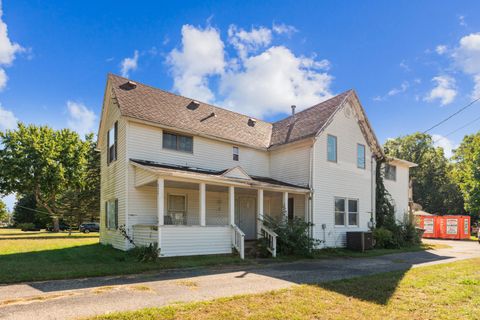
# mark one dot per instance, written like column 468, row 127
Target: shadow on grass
column 87, row 261
column 48, row 237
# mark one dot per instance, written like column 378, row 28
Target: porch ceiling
column 147, row 172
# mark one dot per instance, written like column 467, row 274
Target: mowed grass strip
column 447, row 291
column 32, row 256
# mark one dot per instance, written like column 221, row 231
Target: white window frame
column 364, row 156
column 177, row 135
column 385, row 172
column 236, row 152
column 346, row 213
column 357, row 212
column 336, row 148
column 335, row 211
column 110, row 213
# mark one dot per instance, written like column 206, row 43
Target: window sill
column 177, row 151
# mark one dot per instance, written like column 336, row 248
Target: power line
column 452, row 115
column 458, row 129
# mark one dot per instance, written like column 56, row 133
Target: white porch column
column 307, row 209
column 160, row 200
column 259, row 212
column 160, row 208
column 231, row 204
column 202, row 195
column 285, row 204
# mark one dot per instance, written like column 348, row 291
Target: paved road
column 70, row 299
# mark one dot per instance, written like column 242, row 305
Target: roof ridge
column 178, row 95
column 316, row 105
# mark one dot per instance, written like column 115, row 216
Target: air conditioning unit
column 360, row 240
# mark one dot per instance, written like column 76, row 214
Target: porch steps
column 250, row 248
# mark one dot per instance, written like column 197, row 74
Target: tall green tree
column 433, row 186
column 3, row 212
column 42, row 161
column 26, row 210
column 466, row 172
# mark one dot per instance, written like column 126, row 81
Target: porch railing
column 238, row 241
column 271, row 238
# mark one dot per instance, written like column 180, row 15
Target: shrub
column 397, row 236
column 383, row 238
column 146, row 253
column 293, row 237
column 28, row 226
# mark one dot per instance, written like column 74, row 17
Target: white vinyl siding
column 291, row 164
column 113, row 176
column 398, row 189
column 145, row 142
column 340, row 179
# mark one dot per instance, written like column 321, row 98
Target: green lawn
column 31, row 256
column 448, row 291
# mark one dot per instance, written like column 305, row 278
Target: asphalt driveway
column 70, row 299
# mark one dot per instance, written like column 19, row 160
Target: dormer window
column 236, row 154
column 112, row 143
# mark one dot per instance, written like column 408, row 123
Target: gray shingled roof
column 155, row 105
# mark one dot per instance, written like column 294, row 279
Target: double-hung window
column 177, row 142
column 112, row 143
column 360, row 156
column 346, row 212
column 390, row 172
column 331, row 148
column 111, row 214
column 236, row 154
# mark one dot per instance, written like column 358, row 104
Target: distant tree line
column 441, row 185
column 54, row 173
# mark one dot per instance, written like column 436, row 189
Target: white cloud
column 461, row 21
column 201, row 56
column 259, row 80
column 441, row 49
column 129, row 64
column 272, row 81
column 8, row 120
column 8, row 50
column 476, row 89
column 467, row 59
column 284, row 29
column 445, row 143
column 445, row 90
column 80, row 118
column 405, row 66
column 248, row 41
column 403, row 87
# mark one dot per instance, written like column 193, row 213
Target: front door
column 245, row 217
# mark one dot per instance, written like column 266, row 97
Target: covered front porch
column 197, row 212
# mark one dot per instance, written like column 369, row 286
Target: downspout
column 373, row 175
column 312, row 167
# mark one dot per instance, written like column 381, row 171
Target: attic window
column 251, row 122
column 193, row 105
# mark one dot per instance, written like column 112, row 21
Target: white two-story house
column 198, row 179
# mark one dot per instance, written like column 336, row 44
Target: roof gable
column 236, row 172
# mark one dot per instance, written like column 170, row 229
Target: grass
column 447, row 291
column 32, row 256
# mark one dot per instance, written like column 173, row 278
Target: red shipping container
column 428, row 224
column 453, row 227
column 446, row 227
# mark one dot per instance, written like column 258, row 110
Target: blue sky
column 412, row 63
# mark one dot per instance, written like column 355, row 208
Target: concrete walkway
column 70, row 299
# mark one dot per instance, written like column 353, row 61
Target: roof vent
column 129, row 85
column 193, row 105
column 211, row 115
column 251, row 122
column 293, row 113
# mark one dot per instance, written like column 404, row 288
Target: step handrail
column 238, row 240
column 271, row 238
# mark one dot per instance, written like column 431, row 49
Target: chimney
column 293, row 112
